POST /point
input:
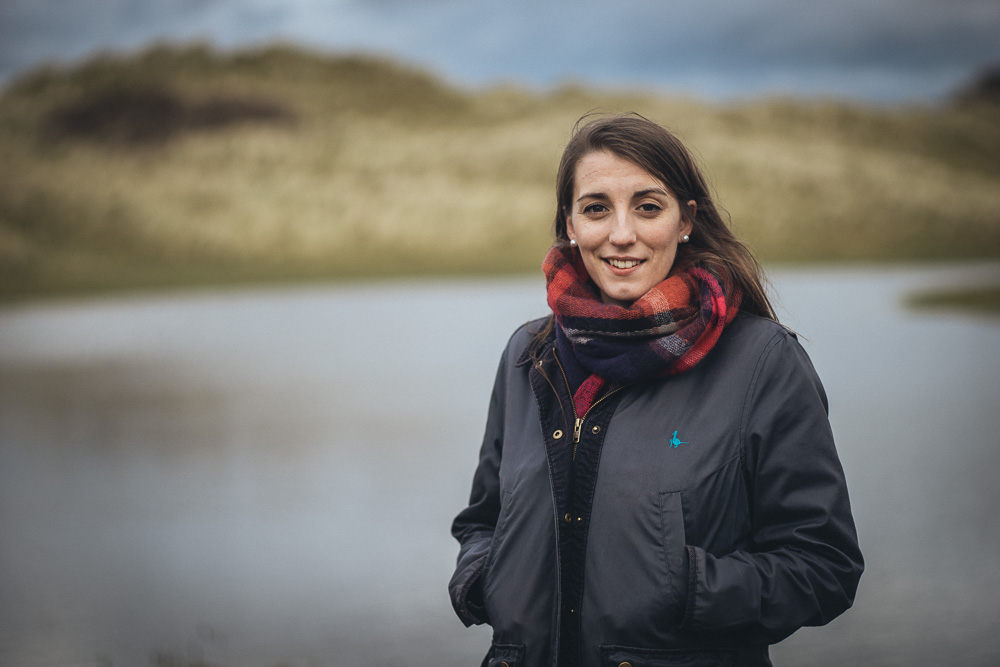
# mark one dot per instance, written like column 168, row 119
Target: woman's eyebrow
column 651, row 191
column 637, row 193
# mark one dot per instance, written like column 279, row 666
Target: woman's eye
column 595, row 209
column 649, row 207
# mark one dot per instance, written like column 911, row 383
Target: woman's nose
column 623, row 231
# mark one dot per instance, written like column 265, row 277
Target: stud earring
column 572, row 242
column 685, row 238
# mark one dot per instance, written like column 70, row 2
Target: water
column 268, row 477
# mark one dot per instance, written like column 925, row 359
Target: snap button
column 625, row 664
column 568, row 517
column 504, row 664
column 557, row 435
column 596, row 429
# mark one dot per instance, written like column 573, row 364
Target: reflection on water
column 268, row 478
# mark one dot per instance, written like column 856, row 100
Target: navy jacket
column 697, row 520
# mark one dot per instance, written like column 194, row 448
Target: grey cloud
column 912, row 48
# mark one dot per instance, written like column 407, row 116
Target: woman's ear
column 687, row 224
column 570, row 232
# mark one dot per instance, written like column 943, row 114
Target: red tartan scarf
column 666, row 331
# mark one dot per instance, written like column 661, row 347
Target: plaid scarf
column 666, row 331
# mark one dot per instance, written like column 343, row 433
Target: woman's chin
column 623, row 298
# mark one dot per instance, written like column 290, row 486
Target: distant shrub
column 146, row 114
column 983, row 89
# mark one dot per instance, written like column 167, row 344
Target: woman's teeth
column 623, row 263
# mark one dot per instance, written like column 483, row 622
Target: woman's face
column 627, row 225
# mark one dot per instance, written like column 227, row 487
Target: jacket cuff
column 467, row 599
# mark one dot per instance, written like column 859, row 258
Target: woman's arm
column 474, row 526
column 805, row 564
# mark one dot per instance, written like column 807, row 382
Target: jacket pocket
column 673, row 539
column 505, row 655
column 498, row 533
column 627, row 656
column 636, row 579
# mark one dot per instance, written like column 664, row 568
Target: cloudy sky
column 876, row 50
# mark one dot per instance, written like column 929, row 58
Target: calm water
column 268, row 477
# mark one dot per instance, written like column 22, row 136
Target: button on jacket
column 694, row 520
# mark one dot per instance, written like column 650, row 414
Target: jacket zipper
column 578, row 421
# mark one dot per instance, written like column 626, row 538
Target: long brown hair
column 712, row 246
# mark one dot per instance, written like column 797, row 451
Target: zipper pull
column 577, row 427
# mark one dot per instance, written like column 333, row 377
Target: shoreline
column 975, row 288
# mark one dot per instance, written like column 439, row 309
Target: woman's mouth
column 623, row 263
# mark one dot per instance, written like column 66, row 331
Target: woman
column 658, row 483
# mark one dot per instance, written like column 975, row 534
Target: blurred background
column 258, row 261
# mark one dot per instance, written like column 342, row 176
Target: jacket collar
column 547, row 344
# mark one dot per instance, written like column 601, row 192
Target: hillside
column 183, row 165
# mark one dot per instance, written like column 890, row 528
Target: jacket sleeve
column 474, row 526
column 804, row 564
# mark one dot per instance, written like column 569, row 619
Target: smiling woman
column 658, row 483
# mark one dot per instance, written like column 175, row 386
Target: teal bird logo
column 674, row 441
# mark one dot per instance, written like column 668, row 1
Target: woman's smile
column 623, row 264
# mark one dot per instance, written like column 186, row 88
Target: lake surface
column 268, row 477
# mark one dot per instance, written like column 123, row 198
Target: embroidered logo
column 674, row 441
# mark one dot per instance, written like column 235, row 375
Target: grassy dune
column 181, row 165
column 977, row 299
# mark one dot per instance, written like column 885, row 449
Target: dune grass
column 181, row 165
column 984, row 300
